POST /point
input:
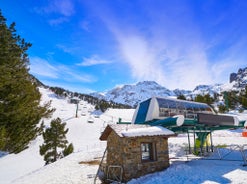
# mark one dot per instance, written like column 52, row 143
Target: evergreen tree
column 222, row 109
column 181, row 97
column 55, row 142
column 204, row 99
column 231, row 99
column 243, row 97
column 20, row 110
column 199, row 98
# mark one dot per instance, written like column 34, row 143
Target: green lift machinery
column 182, row 116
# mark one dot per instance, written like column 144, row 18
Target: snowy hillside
column 81, row 166
column 83, row 135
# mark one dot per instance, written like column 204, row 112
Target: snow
column 146, row 131
column 28, row 167
column 198, row 171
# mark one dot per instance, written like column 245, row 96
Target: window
column 148, row 151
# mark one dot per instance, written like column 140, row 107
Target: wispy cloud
column 172, row 68
column 43, row 68
column 62, row 8
column 57, row 21
column 67, row 48
column 94, row 60
column 74, row 76
column 65, row 7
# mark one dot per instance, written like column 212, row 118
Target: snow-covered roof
column 134, row 130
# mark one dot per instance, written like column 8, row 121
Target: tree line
column 100, row 104
column 232, row 100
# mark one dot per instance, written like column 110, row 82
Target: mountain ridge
column 132, row 94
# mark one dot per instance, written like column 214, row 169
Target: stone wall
column 126, row 152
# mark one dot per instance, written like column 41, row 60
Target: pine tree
column 199, row 98
column 243, row 98
column 20, row 110
column 54, row 141
column 181, row 97
column 204, row 99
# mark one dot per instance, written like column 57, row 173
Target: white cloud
column 79, row 77
column 63, row 7
column 65, row 48
column 141, row 58
column 54, row 22
column 175, row 65
column 42, row 67
column 94, row 60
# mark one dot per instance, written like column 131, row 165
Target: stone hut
column 133, row 151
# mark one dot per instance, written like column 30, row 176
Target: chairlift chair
column 90, row 120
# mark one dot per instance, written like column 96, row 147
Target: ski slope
column 28, row 167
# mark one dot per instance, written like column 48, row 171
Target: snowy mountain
column 207, row 89
column 133, row 94
column 239, row 79
column 182, row 92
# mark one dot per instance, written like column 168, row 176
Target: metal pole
column 194, row 140
column 76, row 110
column 189, row 141
column 211, row 141
column 201, row 142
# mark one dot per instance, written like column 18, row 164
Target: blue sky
column 95, row 45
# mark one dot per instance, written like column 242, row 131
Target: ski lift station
column 141, row 147
column 183, row 116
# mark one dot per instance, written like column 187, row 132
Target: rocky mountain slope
column 135, row 93
column 239, row 79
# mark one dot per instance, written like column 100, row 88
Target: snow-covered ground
column 79, row 167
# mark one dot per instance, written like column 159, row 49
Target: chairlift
column 96, row 116
column 90, row 120
column 90, row 110
column 83, row 114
